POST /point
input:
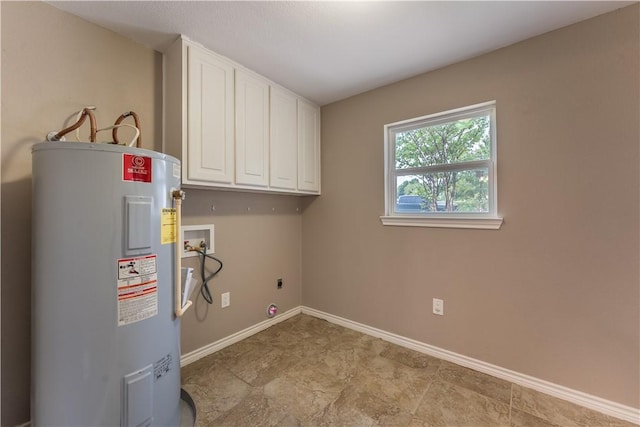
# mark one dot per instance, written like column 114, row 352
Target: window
column 440, row 170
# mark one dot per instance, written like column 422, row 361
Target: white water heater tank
column 104, row 333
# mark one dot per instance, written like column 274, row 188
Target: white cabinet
column 234, row 129
column 308, row 147
column 210, row 112
column 284, row 139
column 252, row 130
column 199, row 116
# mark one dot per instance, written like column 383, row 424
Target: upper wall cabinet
column 252, row 129
column 308, row 146
column 234, row 129
column 283, row 131
column 210, row 118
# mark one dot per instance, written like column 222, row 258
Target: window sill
column 483, row 223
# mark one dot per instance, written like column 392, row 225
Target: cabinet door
column 210, row 117
column 252, row 130
column 308, row 147
column 283, row 140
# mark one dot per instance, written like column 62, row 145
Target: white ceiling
column 330, row 50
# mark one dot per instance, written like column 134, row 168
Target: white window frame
column 488, row 220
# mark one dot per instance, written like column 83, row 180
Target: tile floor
column 309, row 372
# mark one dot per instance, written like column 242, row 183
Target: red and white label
column 136, row 168
column 137, row 289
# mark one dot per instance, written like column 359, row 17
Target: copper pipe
column 119, row 120
column 94, row 125
column 92, row 119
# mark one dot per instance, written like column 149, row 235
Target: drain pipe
column 178, row 196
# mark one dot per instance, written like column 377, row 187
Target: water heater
column 105, row 335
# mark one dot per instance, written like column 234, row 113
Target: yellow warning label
column 168, row 226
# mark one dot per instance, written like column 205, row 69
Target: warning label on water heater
column 168, row 226
column 137, row 289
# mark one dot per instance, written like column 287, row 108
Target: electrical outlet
column 225, row 299
column 280, row 283
column 438, row 307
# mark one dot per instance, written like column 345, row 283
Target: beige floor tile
column 363, row 345
column 308, row 372
column 359, row 408
column 487, row 385
column 200, row 365
column 556, row 411
column 410, row 358
column 342, row 364
column 255, row 410
column 446, row 404
column 304, row 391
column 255, row 363
column 417, row 422
column 298, row 335
column 216, row 391
column 522, row 419
column 348, row 354
column 393, row 382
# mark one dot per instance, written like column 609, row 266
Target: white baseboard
column 604, row 406
column 208, row 349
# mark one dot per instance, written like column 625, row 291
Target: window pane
column 464, row 191
column 453, row 142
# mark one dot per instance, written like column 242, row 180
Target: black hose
column 204, row 289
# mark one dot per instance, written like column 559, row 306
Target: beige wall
column 53, row 64
column 555, row 292
column 552, row 294
column 258, row 237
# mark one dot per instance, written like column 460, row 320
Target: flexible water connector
column 83, row 116
column 119, row 120
column 114, row 127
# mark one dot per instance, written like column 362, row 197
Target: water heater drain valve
column 272, row 310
